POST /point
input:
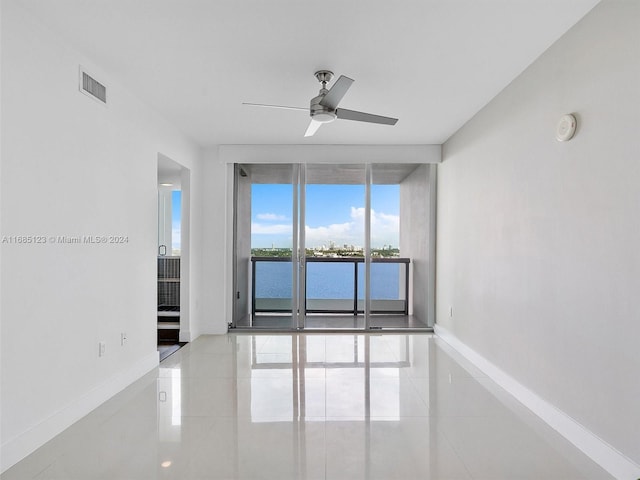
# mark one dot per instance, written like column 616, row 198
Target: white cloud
column 175, row 238
column 270, row 216
column 338, row 232
column 385, row 230
column 383, row 221
column 357, row 213
column 275, row 229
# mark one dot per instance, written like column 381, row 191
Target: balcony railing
column 333, row 285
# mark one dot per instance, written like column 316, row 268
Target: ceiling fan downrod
column 324, row 77
column 320, row 113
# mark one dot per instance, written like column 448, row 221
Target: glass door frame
column 298, row 248
column 367, row 246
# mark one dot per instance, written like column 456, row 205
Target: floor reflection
column 307, row 380
column 310, row 406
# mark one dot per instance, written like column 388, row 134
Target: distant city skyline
column 334, row 213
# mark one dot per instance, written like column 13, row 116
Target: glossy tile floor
column 309, row 406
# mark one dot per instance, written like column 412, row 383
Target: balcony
column 333, row 285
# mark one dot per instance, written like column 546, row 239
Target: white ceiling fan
column 324, row 107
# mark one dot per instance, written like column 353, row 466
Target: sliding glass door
column 320, row 246
column 335, row 198
column 266, row 242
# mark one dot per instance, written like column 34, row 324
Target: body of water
column 330, row 280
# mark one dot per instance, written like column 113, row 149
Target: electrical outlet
column 123, row 338
column 102, row 348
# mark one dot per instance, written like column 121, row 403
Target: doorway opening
column 338, row 247
column 172, row 256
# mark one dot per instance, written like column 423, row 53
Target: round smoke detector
column 566, row 127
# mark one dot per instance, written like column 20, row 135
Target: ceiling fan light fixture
column 324, row 117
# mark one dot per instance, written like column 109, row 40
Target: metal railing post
column 253, row 289
column 355, row 287
column 406, row 288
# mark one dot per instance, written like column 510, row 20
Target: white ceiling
column 431, row 63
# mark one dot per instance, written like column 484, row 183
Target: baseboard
column 185, row 336
column 19, row 447
column 614, row 462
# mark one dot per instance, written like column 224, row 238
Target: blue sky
column 334, row 213
column 176, row 210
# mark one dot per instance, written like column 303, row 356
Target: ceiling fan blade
column 312, row 128
column 275, row 106
column 336, row 92
column 345, row 114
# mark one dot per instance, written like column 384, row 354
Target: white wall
column 217, row 238
column 1, row 222
column 538, row 241
column 71, row 166
column 353, row 154
column 415, row 223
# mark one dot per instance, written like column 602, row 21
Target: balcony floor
column 324, row 321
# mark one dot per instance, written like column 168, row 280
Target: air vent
column 91, row 87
